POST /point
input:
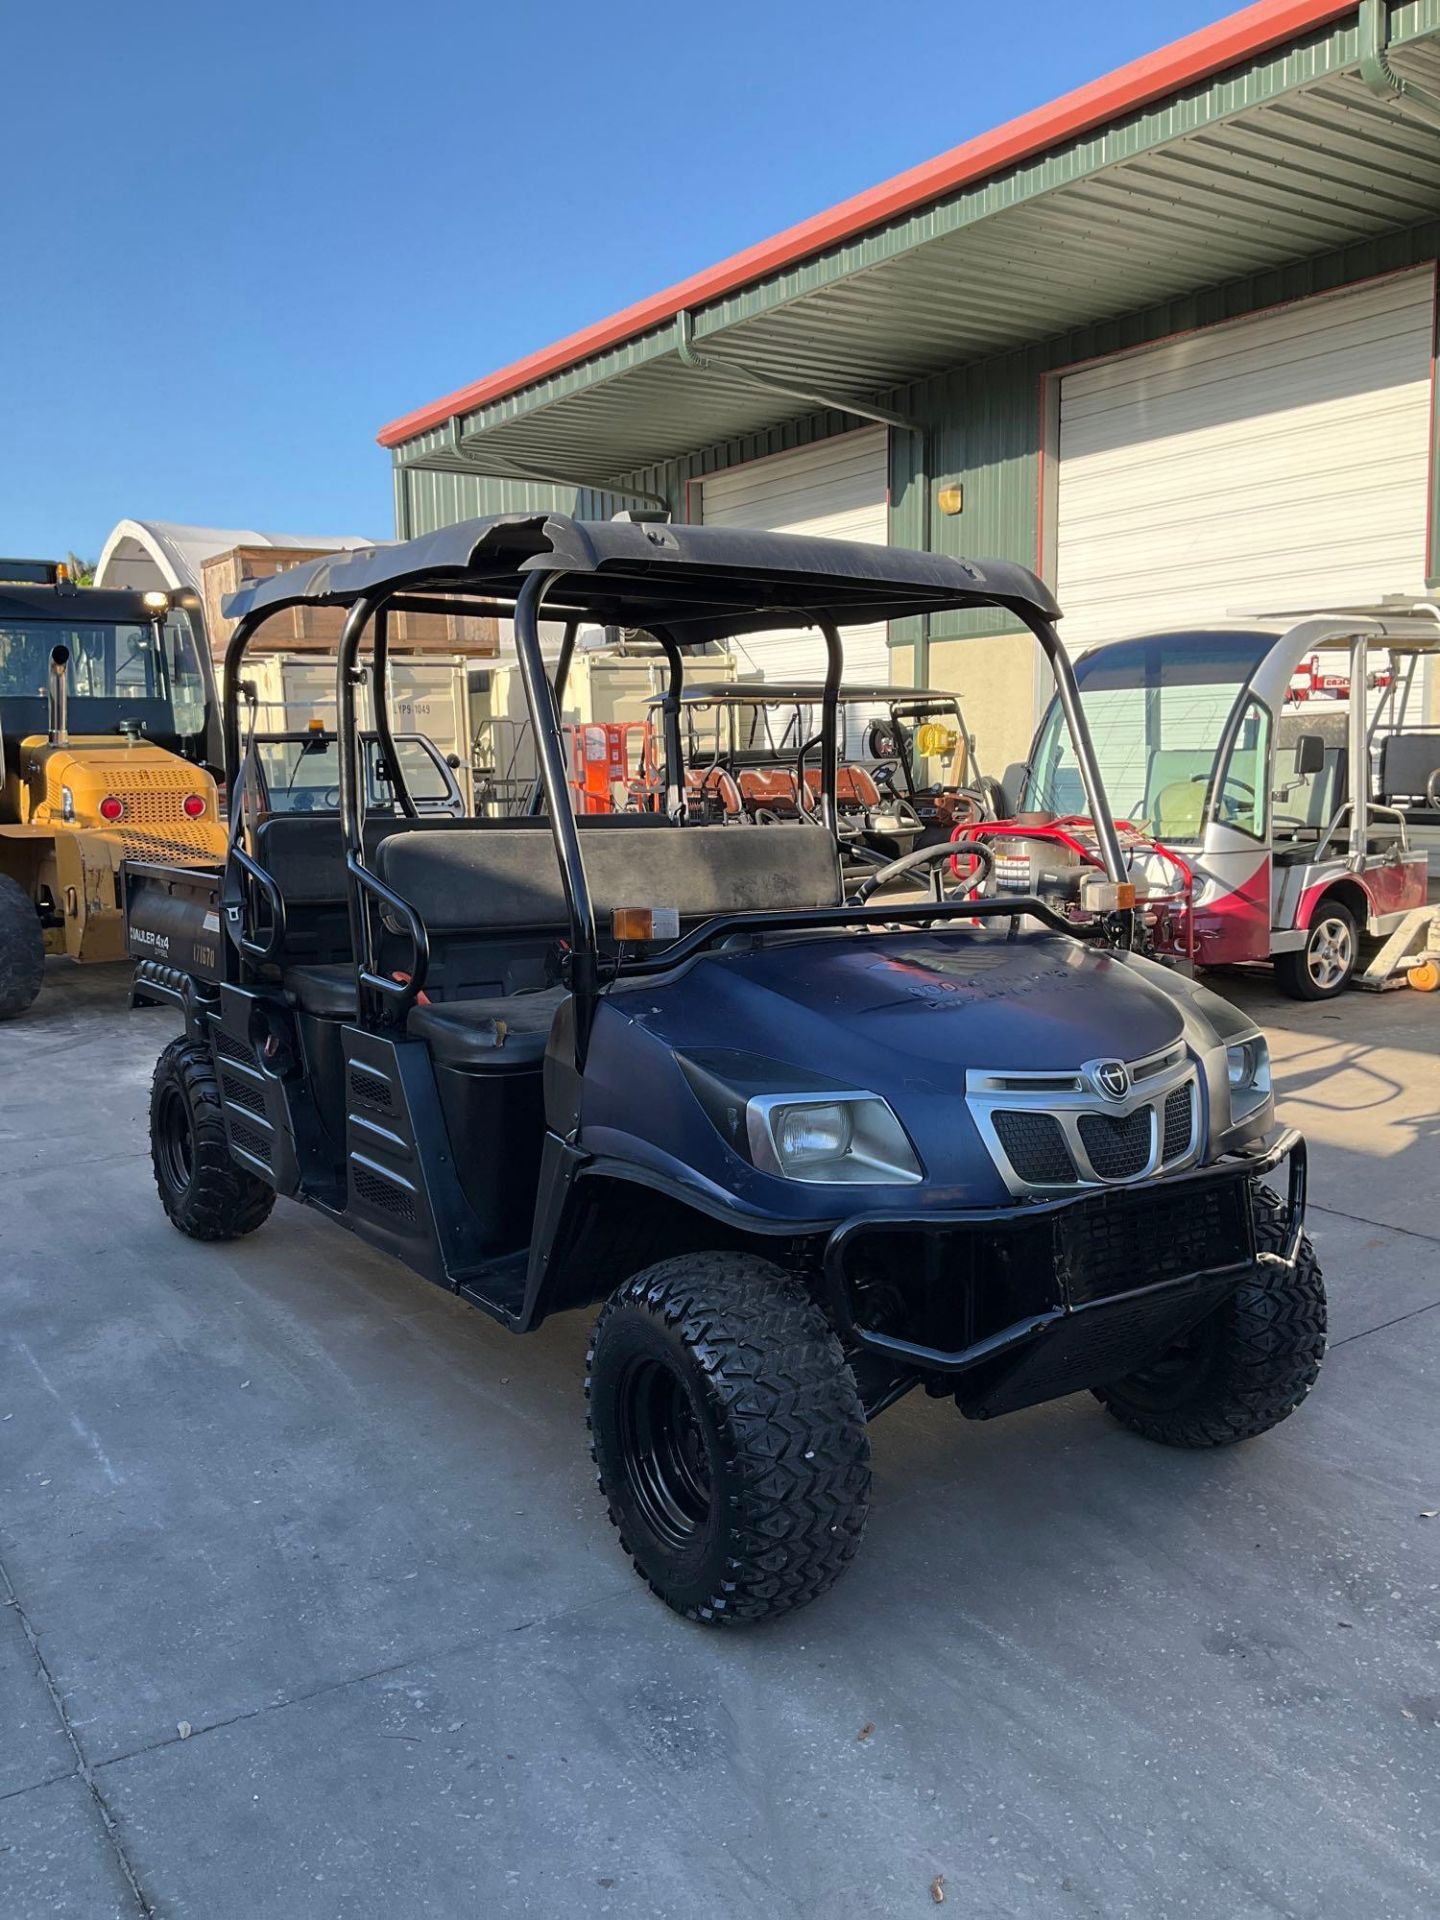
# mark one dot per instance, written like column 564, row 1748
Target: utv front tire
column 729, row 1437
column 22, row 949
column 1246, row 1366
column 203, row 1191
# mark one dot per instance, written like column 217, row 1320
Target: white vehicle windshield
column 1158, row 712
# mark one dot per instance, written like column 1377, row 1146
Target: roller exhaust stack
column 59, row 697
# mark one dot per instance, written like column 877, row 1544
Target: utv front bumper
column 1026, row 1303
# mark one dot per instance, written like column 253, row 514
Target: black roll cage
column 383, row 999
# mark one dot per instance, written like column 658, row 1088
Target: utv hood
column 899, row 1016
column 918, row 1012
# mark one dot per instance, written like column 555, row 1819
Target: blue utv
column 805, row 1151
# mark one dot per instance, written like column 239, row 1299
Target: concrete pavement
column 310, row 1606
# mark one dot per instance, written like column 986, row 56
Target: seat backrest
column 483, row 880
column 718, row 785
column 304, row 853
column 854, row 785
column 771, row 787
column 1407, row 761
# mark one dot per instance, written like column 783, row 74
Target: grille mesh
column 376, row 1191
column 1118, row 1145
column 249, row 1139
column 1176, row 1137
column 370, row 1089
column 1120, row 1242
column 1035, row 1147
column 240, row 1093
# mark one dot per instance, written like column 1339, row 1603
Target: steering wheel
column 928, row 857
column 1432, row 789
column 967, row 805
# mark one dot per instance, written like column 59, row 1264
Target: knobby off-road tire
column 22, row 949
column 1246, row 1366
column 729, row 1437
column 201, row 1188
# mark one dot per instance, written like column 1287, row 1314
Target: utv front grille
column 1090, row 1126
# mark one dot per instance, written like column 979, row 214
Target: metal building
column 1170, row 339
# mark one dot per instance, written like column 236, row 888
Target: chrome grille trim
column 1068, row 1096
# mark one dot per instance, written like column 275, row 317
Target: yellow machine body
column 63, row 850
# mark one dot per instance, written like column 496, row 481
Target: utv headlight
column 1248, row 1066
column 851, row 1139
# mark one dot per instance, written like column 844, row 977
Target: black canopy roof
column 702, row 583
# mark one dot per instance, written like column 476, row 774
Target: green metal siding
column 1292, row 152
column 426, row 500
column 983, row 429
column 984, row 425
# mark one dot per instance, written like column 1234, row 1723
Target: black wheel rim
column 175, row 1139
column 663, row 1453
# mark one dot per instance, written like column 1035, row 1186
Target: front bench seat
column 505, row 1030
column 327, row 989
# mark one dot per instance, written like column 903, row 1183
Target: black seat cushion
column 506, row 1030
column 328, row 990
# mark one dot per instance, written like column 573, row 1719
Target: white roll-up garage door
column 1274, row 463
column 836, row 489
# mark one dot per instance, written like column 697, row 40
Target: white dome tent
column 160, row 553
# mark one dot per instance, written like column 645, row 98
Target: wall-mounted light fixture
column 951, row 499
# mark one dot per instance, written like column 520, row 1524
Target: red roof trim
column 1184, row 63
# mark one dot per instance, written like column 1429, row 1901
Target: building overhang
column 1292, row 129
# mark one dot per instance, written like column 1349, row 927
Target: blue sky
column 237, row 241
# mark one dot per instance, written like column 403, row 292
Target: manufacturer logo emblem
column 1112, row 1077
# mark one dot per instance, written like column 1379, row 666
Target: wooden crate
column 317, row 629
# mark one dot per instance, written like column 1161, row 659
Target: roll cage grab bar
column 386, row 999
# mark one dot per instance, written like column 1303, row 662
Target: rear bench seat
column 1407, row 761
column 304, row 854
column 496, row 890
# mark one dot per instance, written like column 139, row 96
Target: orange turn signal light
column 644, row 923
column 632, row 923
column 1107, row 896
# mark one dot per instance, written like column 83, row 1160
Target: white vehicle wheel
column 1323, row 966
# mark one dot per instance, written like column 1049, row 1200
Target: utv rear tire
column 203, row 1191
column 1324, row 966
column 1246, row 1366
column 22, row 949
column 729, row 1436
